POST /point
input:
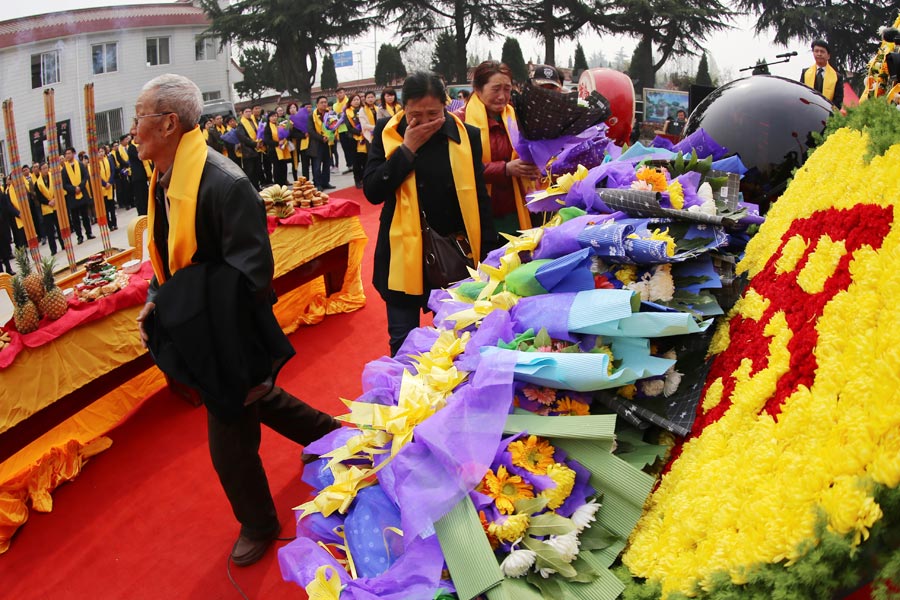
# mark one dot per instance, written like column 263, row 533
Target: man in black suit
column 140, row 179
column 822, row 77
column 75, row 180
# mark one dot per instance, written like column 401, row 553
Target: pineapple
column 53, row 304
column 34, row 286
column 26, row 314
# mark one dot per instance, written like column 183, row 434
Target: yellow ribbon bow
column 323, row 587
column 562, row 185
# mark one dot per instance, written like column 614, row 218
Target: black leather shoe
column 329, row 187
column 92, row 237
column 80, row 240
column 247, row 552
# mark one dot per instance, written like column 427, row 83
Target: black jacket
column 838, row 99
column 230, row 297
column 138, row 173
column 69, row 187
column 436, row 193
column 248, row 144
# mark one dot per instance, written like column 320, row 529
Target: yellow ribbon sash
column 476, row 114
column 74, row 171
column 11, row 190
column 45, row 190
column 106, row 192
column 829, row 80
column 405, row 273
column 326, row 585
column 190, row 158
column 248, row 126
column 283, row 153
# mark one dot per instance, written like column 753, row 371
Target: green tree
column 419, row 20
column 329, row 80
column 295, row 32
column 389, row 66
column 443, row 59
column 512, row 57
column 641, row 69
column 580, row 64
column 703, row 77
column 671, row 27
column 256, row 65
column 847, row 25
column 557, row 20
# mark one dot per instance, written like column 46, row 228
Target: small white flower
column 662, row 286
column 585, row 515
column 705, row 191
column 673, row 380
column 545, row 573
column 653, row 387
column 566, row 545
column 517, row 563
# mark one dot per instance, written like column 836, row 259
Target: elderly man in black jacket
column 208, row 320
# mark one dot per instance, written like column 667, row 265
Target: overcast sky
column 730, row 51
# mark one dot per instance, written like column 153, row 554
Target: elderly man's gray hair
column 179, row 95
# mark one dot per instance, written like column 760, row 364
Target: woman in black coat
column 8, row 214
column 431, row 137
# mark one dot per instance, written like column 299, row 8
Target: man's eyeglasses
column 162, row 114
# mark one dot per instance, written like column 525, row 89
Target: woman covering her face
column 423, row 159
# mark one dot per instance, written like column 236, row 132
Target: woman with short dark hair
column 422, row 159
column 389, row 105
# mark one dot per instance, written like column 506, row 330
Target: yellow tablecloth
column 40, row 376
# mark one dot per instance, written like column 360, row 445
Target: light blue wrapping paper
column 597, row 307
column 649, row 325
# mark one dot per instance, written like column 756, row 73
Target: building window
column 104, row 58
column 44, row 69
column 207, row 96
column 205, row 48
column 109, row 125
column 157, row 51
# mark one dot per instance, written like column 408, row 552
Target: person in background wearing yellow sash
column 246, row 132
column 50, row 220
column 8, row 214
column 214, row 133
column 368, row 117
column 423, row 159
column 234, row 150
column 278, row 151
column 389, row 105
column 211, row 256
column 319, row 148
column 107, row 183
column 296, row 138
column 75, row 180
column 822, row 77
column 123, row 173
column 352, row 116
column 508, row 177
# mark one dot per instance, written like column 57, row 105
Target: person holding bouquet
column 277, row 149
column 423, row 160
column 319, row 146
column 508, row 177
column 353, row 118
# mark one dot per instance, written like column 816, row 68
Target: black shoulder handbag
column 446, row 258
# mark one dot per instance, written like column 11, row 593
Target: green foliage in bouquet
column 833, row 568
column 879, row 119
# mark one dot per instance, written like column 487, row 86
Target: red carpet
column 147, row 518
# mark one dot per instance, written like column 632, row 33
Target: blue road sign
column 343, row 59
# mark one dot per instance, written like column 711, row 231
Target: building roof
column 95, row 20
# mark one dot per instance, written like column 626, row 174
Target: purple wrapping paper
column 381, row 381
column 584, row 194
column 549, row 311
column 702, row 143
column 300, row 119
column 452, row 450
column 415, row 576
column 569, row 273
column 494, row 327
column 373, row 545
column 539, row 152
column 319, row 527
column 418, row 341
column 562, row 240
column 589, row 153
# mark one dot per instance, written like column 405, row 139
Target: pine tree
column 329, row 80
column 512, row 56
column 703, row 77
column 443, row 59
column 641, row 69
column 389, row 67
column 581, row 64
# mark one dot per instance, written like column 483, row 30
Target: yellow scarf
column 829, row 80
column 283, row 153
column 249, row 127
column 392, row 109
column 104, row 176
column 123, row 156
column 476, row 114
column 371, row 112
column 190, row 158
column 74, row 171
column 11, row 190
column 405, row 271
column 360, row 140
column 45, row 190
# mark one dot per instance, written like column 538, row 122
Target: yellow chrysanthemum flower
column 513, row 528
column 676, row 195
column 505, row 489
column 663, row 236
column 656, row 177
column 627, row 274
column 572, row 408
column 564, row 478
column 533, row 454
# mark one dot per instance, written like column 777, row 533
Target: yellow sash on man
column 11, row 190
column 248, row 126
column 47, row 193
column 405, row 271
column 190, row 158
column 282, row 153
column 354, row 124
column 74, row 171
column 829, row 80
column 476, row 114
column 107, row 192
column 222, row 129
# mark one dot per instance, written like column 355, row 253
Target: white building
column 118, row 49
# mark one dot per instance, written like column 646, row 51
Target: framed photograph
column 660, row 105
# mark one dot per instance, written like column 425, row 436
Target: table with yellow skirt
column 318, row 259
